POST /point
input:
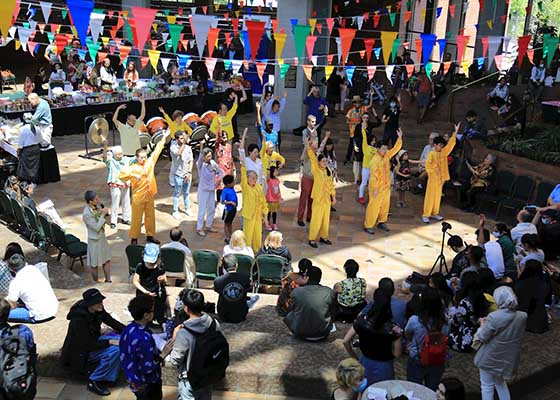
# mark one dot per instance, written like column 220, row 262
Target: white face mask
column 541, row 66
column 496, row 234
column 393, row 104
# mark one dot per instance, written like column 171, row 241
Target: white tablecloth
column 419, row 392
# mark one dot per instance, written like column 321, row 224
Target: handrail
column 451, row 100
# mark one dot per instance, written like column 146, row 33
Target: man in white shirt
column 492, row 250
column 179, row 243
column 524, row 225
column 536, row 83
column 31, row 288
column 130, row 138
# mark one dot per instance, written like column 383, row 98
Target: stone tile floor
column 51, row 389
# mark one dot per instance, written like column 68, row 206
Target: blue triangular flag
column 438, row 12
column 294, row 22
column 350, row 73
column 245, row 38
column 480, row 62
column 81, row 12
column 441, row 44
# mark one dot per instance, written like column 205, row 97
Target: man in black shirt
column 233, row 302
column 461, row 260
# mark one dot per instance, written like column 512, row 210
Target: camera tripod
column 440, row 260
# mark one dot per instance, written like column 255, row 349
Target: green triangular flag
column 26, row 25
column 227, row 65
column 429, row 68
column 64, row 13
column 175, row 33
column 300, row 37
column 539, row 5
column 97, row 11
column 129, row 33
column 392, row 18
column 550, row 44
column 168, row 44
column 166, row 12
column 50, row 35
column 68, row 48
column 396, row 44
column 284, row 70
column 93, row 48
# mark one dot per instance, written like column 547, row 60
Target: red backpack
column 434, row 349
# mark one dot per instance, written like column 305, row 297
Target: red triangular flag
column 368, row 43
column 235, row 24
column 461, row 44
column 226, row 16
column 260, row 70
column 530, row 55
column 522, row 44
column 330, row 24
column 228, row 38
column 212, row 37
column 123, row 52
column 484, row 41
column 481, row 5
column 54, row 27
column 376, row 18
column 61, row 41
column 418, row 42
column 346, row 37
column 141, row 25
column 503, row 18
column 274, row 23
column 409, row 69
column 309, row 44
column 154, row 44
column 255, row 30
column 366, row 16
column 204, row 9
column 330, row 58
column 407, row 16
column 452, row 10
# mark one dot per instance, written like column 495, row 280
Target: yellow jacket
column 254, row 202
column 367, row 150
column 436, row 163
column 380, row 168
column 141, row 177
column 227, row 125
column 270, row 161
column 174, row 127
column 323, row 184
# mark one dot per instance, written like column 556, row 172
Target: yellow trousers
column 320, row 219
column 252, row 228
column 142, row 208
column 432, row 200
column 378, row 208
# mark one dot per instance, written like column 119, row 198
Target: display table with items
column 48, row 169
column 70, row 109
column 388, row 390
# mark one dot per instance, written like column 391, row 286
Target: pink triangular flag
column 371, row 71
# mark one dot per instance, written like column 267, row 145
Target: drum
column 155, row 125
column 207, row 117
column 154, row 140
column 192, row 120
column 199, row 133
column 144, row 140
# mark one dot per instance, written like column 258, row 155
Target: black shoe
column 301, row 223
column 113, row 226
column 133, row 241
column 333, row 209
column 325, row 241
column 313, row 244
column 383, row 227
column 126, row 222
column 94, row 387
column 152, row 239
column 370, row 231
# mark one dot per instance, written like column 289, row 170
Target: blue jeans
column 109, row 362
column 186, row 392
column 377, row 371
column 20, row 314
column 182, row 187
column 427, row 376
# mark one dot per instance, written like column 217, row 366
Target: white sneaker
column 177, row 215
column 437, row 217
column 252, row 301
column 426, row 220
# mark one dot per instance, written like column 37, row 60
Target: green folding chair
column 134, row 254
column 246, row 265
column 173, row 261
column 37, row 235
column 207, row 263
column 270, row 270
column 66, row 244
column 7, row 212
column 21, row 223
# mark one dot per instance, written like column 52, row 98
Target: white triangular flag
column 360, row 21
column 339, row 49
column 389, row 72
column 96, row 25
column 314, row 60
column 24, row 34
column 165, row 63
column 202, row 24
column 235, row 65
column 46, row 10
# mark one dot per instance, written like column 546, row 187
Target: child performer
column 438, row 174
column 229, row 200
column 254, row 203
column 403, row 176
column 273, row 198
column 323, row 195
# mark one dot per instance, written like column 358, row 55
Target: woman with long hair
column 532, row 289
column 470, row 306
column 131, row 75
column 379, row 337
column 430, row 319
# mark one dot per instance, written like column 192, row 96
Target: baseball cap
column 151, row 253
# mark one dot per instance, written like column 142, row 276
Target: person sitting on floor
column 524, row 225
column 85, row 342
column 461, row 259
column 492, row 250
column 232, row 287
column 350, row 293
column 178, row 242
column 548, row 229
column 30, row 294
column 499, row 96
column 473, row 127
column 311, row 314
column 291, row 281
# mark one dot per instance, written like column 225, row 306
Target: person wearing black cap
column 30, row 294
column 98, row 251
column 84, row 343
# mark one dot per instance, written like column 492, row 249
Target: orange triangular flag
column 212, row 39
column 409, row 69
column 246, row 65
column 144, row 61
column 308, row 70
column 154, row 44
column 260, row 70
column 446, row 65
column 123, row 52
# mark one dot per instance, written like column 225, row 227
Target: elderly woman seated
column 479, row 180
column 273, row 245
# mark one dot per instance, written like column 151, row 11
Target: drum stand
column 90, row 155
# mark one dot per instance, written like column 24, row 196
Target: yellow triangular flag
column 74, row 31
column 125, row 13
column 280, row 42
column 216, row 7
column 280, row 61
column 58, row 29
column 490, row 24
column 237, row 14
column 154, row 58
column 328, row 71
column 423, row 14
column 18, row 44
column 154, row 25
column 308, row 70
column 105, row 40
column 312, row 23
column 171, row 19
column 387, row 40
column 466, row 64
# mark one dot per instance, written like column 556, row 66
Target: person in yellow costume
column 438, row 174
column 255, row 207
column 323, row 195
column 176, row 122
column 269, row 157
column 144, row 188
column 224, row 119
column 379, row 188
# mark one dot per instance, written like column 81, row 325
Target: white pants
column 356, row 166
column 118, row 196
column 206, row 206
column 365, row 180
column 488, row 382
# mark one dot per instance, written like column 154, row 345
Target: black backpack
column 18, row 379
column 209, row 359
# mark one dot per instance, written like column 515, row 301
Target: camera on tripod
column 445, row 226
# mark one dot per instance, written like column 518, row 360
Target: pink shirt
column 273, row 194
